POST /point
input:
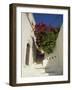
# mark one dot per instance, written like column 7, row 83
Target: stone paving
column 34, row 70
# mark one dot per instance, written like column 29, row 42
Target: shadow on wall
column 55, row 63
column 52, row 67
column 38, row 56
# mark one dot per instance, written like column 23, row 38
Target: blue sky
column 54, row 20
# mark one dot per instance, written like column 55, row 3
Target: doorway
column 27, row 54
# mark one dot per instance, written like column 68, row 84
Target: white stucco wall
column 59, row 51
column 27, row 33
column 55, row 65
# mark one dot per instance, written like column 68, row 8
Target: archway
column 27, row 54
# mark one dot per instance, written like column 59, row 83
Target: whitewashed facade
column 27, row 34
column 55, row 63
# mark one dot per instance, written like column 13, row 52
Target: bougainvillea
column 46, row 37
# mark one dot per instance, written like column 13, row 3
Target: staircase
column 34, row 70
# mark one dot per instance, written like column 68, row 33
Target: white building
column 55, row 64
column 28, row 47
column 27, row 35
